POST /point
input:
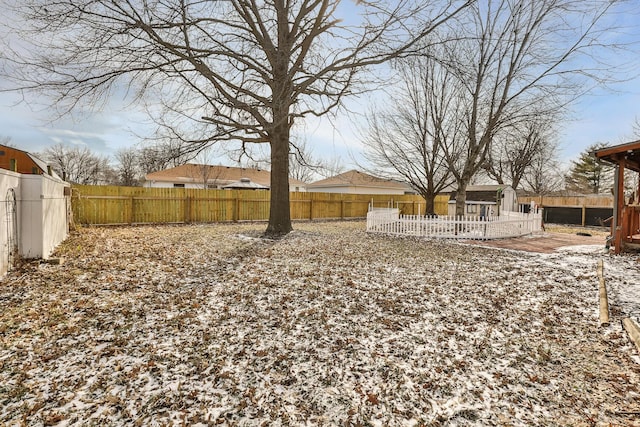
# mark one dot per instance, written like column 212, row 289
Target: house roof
column 480, row 193
column 359, row 179
column 245, row 184
column 223, row 175
column 630, row 152
column 42, row 165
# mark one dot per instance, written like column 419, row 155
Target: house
column 356, row 182
column 625, row 221
column 217, row 177
column 486, row 200
column 34, row 205
column 16, row 160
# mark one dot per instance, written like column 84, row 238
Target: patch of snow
column 202, row 325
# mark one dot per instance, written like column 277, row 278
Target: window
column 471, row 209
column 35, row 170
column 13, row 165
column 178, row 185
column 2, row 153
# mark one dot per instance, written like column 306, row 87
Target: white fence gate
column 508, row 224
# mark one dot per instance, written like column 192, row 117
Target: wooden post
column 187, row 209
column 236, row 208
column 584, row 214
column 131, row 210
column 311, row 209
column 633, row 331
column 602, row 291
column 342, row 209
column 620, row 204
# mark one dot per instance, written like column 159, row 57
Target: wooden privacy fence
column 508, row 224
column 102, row 205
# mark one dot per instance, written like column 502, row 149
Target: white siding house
column 215, row 177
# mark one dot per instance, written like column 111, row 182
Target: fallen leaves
column 212, row 325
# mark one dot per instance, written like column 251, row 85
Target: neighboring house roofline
column 220, row 174
column 354, row 178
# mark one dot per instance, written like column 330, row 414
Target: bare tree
column 6, row 141
column 203, row 169
column 544, row 175
column 511, row 55
column 127, row 167
column 303, row 166
column 519, row 148
column 236, row 70
column 160, row 156
column 79, row 165
column 332, row 166
column 407, row 139
column 636, row 127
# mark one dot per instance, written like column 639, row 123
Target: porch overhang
column 625, row 227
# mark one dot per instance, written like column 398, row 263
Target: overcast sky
column 606, row 116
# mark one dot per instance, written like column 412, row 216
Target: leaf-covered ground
column 210, row 324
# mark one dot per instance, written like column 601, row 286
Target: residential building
column 215, row 177
column 356, row 182
column 16, row 160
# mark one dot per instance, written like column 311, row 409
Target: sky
column 604, row 116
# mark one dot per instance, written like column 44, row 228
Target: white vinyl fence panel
column 33, row 216
column 508, row 224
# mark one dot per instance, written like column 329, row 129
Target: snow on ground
column 210, row 324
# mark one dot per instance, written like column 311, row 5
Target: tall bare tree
column 544, row 175
column 519, row 148
column 160, row 156
column 511, row 55
column 243, row 70
column 407, row 138
column 79, row 165
column 127, row 167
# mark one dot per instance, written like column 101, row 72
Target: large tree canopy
column 239, row 70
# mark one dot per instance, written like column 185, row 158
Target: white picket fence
column 508, row 224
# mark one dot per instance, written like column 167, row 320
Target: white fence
column 508, row 224
column 33, row 216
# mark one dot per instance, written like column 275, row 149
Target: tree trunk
column 280, row 216
column 461, row 198
column 430, row 200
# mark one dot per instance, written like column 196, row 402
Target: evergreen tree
column 587, row 175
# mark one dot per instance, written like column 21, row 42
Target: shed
column 486, row 200
column 625, row 222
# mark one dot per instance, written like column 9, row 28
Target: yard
column 210, row 324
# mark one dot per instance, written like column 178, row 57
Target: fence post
column 342, row 209
column 584, row 215
column 236, row 208
column 131, row 210
column 311, row 209
column 187, row 209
